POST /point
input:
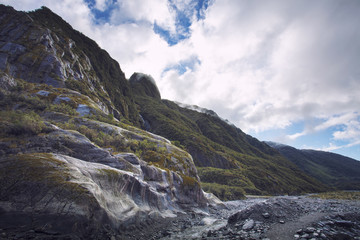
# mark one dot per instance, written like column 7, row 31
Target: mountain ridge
column 332, row 169
column 221, row 151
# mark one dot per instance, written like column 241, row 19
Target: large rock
column 61, row 174
column 42, row 188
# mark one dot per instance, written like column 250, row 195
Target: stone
column 43, row 93
column 60, row 99
column 83, row 110
column 305, row 235
column 266, row 215
column 282, row 221
column 343, row 223
column 296, row 236
column 248, row 225
column 310, row 230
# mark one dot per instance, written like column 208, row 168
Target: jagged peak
column 144, row 84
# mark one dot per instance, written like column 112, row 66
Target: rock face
column 63, row 175
column 68, row 168
column 145, row 85
column 40, row 47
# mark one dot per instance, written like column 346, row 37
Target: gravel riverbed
column 285, row 217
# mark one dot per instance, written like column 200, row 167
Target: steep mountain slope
column 331, row 169
column 68, row 168
column 40, row 47
column 229, row 161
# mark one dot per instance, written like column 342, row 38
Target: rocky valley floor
column 286, row 217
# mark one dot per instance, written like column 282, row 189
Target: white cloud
column 101, row 4
column 333, row 146
column 145, row 11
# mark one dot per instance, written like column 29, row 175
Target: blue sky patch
column 183, row 20
column 101, row 17
column 184, row 65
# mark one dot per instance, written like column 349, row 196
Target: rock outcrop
column 145, row 85
column 68, row 167
column 40, row 47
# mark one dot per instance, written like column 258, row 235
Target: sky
column 284, row 70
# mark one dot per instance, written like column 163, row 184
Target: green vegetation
column 230, row 163
column 17, row 123
column 30, row 171
column 235, row 179
column 344, row 195
column 331, row 169
column 224, row 192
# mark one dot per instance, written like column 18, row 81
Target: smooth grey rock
column 83, row 110
column 130, row 157
column 43, row 93
column 60, row 99
column 305, row 235
column 248, row 225
column 310, row 230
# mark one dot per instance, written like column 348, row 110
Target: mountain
column 230, row 163
column 73, row 164
column 331, row 169
column 86, row 153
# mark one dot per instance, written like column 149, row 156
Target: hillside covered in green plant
column 230, row 163
column 331, row 169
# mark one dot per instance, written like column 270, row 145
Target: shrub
column 18, row 123
column 224, row 192
column 62, row 108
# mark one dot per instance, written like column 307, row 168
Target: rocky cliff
column 71, row 165
column 40, row 47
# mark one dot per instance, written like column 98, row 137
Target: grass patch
column 16, row 123
column 224, row 192
column 344, row 195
